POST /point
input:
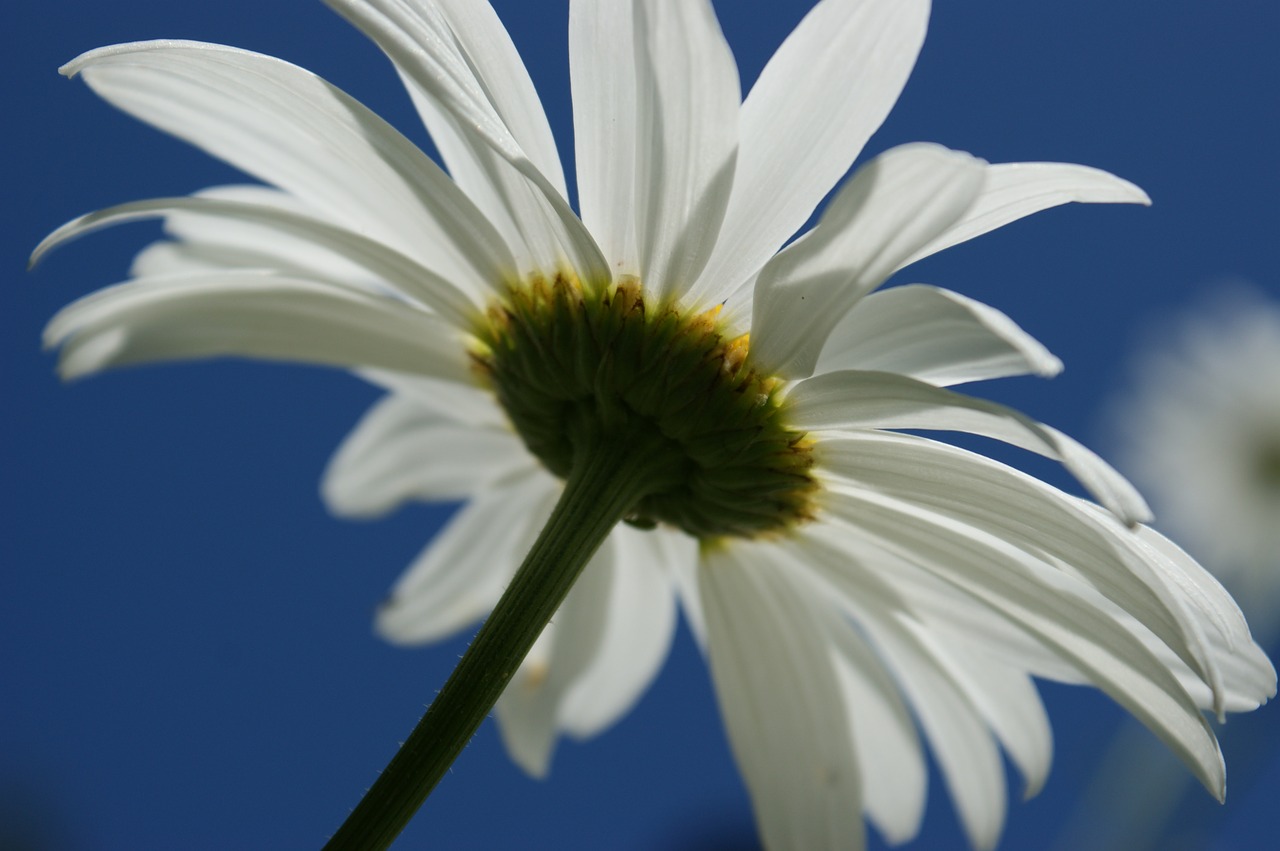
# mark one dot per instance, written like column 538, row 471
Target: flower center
column 573, row 366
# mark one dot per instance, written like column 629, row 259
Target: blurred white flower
column 1200, row 424
column 848, row 581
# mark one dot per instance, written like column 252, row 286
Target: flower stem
column 609, row 475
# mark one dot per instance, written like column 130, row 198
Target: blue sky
column 185, row 648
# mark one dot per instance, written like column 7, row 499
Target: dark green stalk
column 609, row 476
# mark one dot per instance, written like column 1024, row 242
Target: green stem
column 608, row 478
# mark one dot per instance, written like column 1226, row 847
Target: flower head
column 1201, row 430
column 853, row 585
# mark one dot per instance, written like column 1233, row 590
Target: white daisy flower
column 1200, row 428
column 737, row 399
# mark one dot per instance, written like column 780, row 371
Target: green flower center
column 573, row 366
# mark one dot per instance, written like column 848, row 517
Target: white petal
column 1015, row 190
column 405, row 276
column 894, row 204
column 851, row 399
column 604, row 124
column 687, row 100
column 458, row 403
column 461, row 574
column 965, row 750
column 530, row 707
column 1007, row 700
column 403, row 450
column 492, row 58
column 862, row 586
column 294, row 130
column 422, row 42
column 892, row 765
column 640, row 621
column 816, row 103
column 1036, row 517
column 933, row 335
column 1065, row 616
column 771, row 664
column 251, row 314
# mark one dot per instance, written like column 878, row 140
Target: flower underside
column 574, row 366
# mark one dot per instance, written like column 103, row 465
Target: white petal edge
column 255, row 315
column 852, row 399
column 687, row 99
column 782, row 704
column 460, row 575
column 529, row 710
column 1015, row 190
column 639, row 626
column 407, row 277
column 1066, row 531
column 604, row 125
column 1057, row 612
column 419, row 40
column 892, row 205
column 402, row 450
column 804, row 122
column 934, row 335
column 892, row 763
column 292, row 129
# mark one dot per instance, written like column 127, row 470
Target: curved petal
column 1065, row 616
column 777, row 688
column 958, row 736
column 1036, row 517
column 464, row 404
column 530, row 708
column 687, row 99
column 640, row 623
column 421, row 40
column 895, row 203
column 402, row 450
column 933, row 335
column 852, row 399
column 1015, row 190
column 288, row 127
column 407, row 277
column 461, row 574
column 251, row 314
column 818, row 100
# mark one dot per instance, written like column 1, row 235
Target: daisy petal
column 464, row 404
column 821, row 96
column 1015, row 190
column 461, row 574
column 781, row 702
column 288, row 127
column 605, row 125
column 852, row 399
column 1034, row 516
column 933, row 335
column 687, row 99
column 640, row 623
column 529, row 709
column 250, row 314
column 966, row 752
column 894, row 204
column 402, row 450
column 406, row 276
column 1065, row 616
column 422, row 42
column 893, row 771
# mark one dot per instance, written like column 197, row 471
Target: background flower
column 1199, row 423
column 297, row 662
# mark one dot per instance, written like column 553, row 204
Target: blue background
column 186, row 658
